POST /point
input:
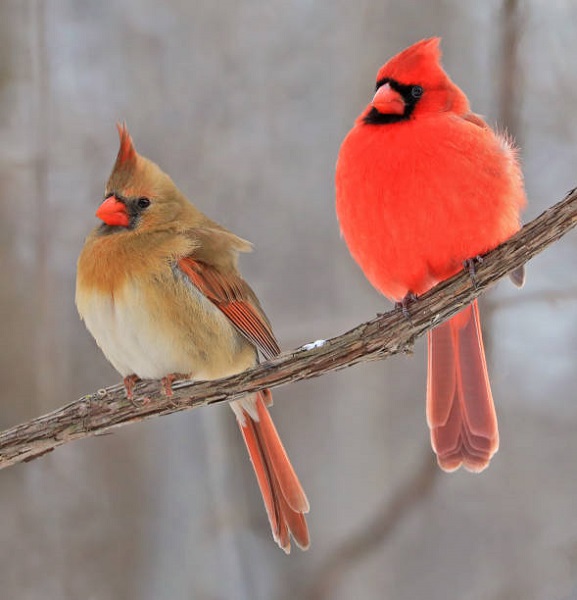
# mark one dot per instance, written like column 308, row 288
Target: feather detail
column 283, row 496
column 126, row 153
column 476, row 120
column 460, row 409
column 233, row 296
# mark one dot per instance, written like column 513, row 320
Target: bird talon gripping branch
column 404, row 304
column 129, row 382
column 470, row 264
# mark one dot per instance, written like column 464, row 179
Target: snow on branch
column 387, row 334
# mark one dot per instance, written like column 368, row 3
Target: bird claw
column 469, row 264
column 167, row 385
column 129, row 382
column 140, row 402
column 403, row 305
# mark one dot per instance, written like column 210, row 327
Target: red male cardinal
column 423, row 185
column 158, row 288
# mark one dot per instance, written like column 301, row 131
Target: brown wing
column 233, row 296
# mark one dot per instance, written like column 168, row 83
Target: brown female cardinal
column 158, row 288
column 424, row 185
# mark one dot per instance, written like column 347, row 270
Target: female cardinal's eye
column 417, row 91
column 143, row 203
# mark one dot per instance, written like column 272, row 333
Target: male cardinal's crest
column 419, row 61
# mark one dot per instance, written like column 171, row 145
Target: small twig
column 386, row 335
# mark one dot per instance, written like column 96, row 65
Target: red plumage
column 423, row 184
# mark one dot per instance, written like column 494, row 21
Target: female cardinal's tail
column 460, row 409
column 284, row 498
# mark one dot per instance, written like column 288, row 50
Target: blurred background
column 245, row 104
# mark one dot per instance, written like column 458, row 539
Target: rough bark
column 386, row 335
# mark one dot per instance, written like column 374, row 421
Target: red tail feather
column 284, row 498
column 460, row 409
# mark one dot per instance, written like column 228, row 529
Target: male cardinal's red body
column 158, row 288
column 422, row 185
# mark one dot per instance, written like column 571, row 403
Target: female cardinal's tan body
column 158, row 288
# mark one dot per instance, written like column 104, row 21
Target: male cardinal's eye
column 417, row 91
column 143, row 203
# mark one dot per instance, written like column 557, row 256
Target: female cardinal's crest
column 128, row 163
column 126, row 153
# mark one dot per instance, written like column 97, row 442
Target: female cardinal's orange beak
column 388, row 102
column 113, row 212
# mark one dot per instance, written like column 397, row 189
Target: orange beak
column 113, row 212
column 387, row 101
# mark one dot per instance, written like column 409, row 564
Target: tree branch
column 388, row 334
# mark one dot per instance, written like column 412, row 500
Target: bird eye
column 143, row 203
column 417, row 91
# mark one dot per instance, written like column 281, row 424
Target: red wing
column 232, row 295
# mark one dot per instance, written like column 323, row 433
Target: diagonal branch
column 388, row 334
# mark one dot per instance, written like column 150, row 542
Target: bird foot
column 167, row 384
column 403, row 305
column 129, row 382
column 470, row 265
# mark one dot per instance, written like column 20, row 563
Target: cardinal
column 424, row 186
column 159, row 289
